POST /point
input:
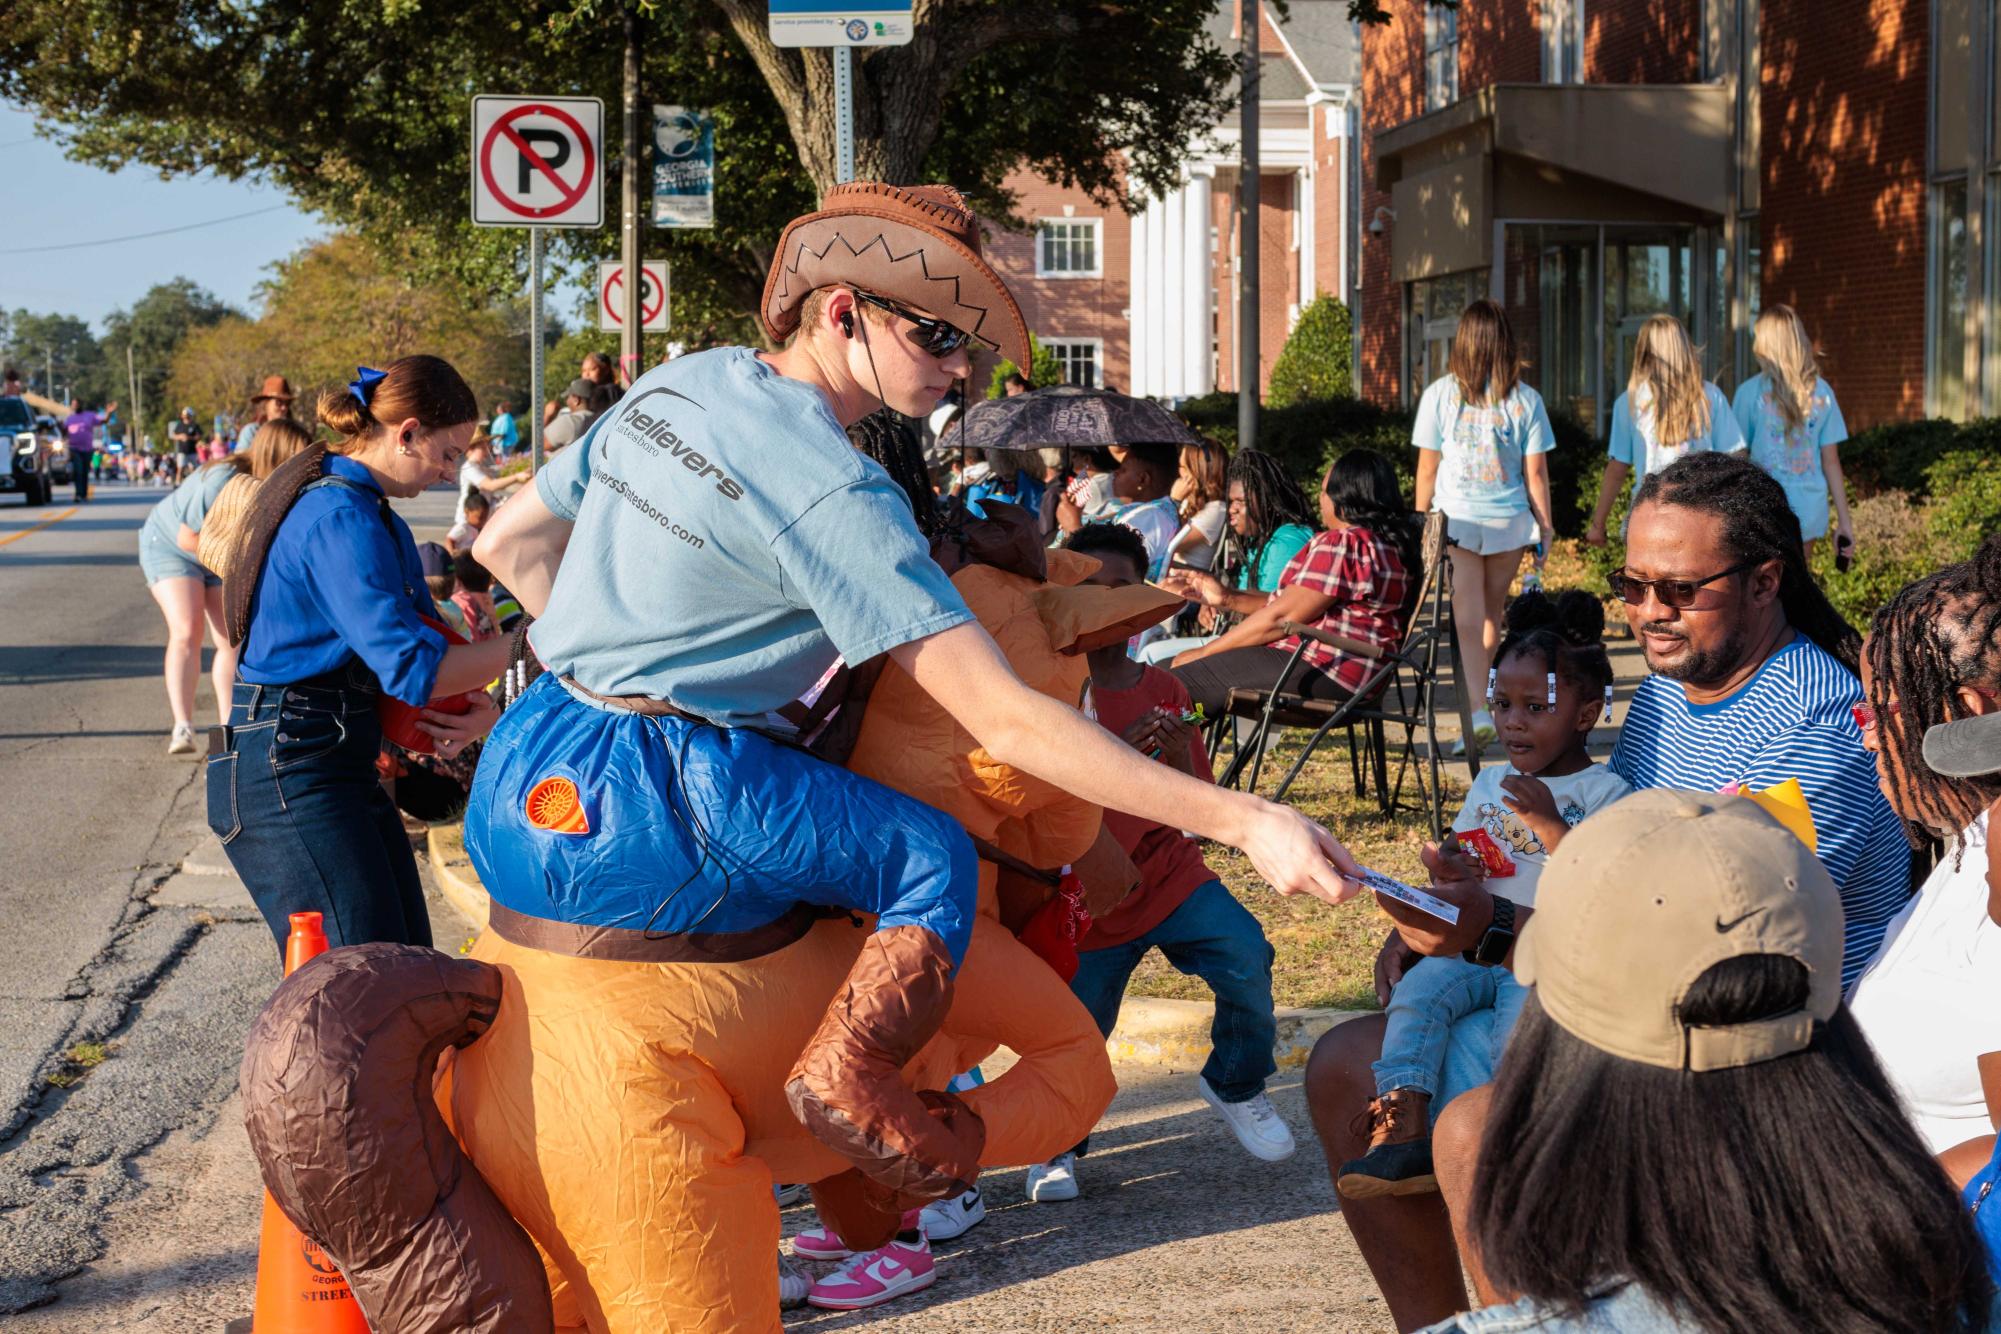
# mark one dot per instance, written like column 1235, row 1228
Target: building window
column 1068, row 248
column 1947, row 299
column 1563, row 41
column 1441, row 56
column 1082, row 359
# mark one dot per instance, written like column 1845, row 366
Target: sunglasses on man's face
column 935, row 337
column 1675, row 593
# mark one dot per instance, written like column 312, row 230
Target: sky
column 59, row 202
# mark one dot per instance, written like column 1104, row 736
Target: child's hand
column 1448, row 862
column 1531, row 799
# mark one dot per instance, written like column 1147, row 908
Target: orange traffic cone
column 299, row 1290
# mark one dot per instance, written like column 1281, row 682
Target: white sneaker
column 182, row 742
column 942, row 1220
column 1053, row 1180
column 788, row 1194
column 1483, row 735
column 1256, row 1124
column 792, row 1285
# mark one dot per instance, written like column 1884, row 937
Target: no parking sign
column 652, row 296
column 537, row 162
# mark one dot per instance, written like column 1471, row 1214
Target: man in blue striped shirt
column 1754, row 676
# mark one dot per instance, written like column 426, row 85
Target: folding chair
column 1399, row 691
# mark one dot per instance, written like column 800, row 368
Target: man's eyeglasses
column 1670, row 592
column 937, row 338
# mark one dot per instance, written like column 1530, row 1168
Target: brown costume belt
column 620, row 944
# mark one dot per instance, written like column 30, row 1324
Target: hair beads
column 1493, row 673
column 1552, row 687
column 1608, row 704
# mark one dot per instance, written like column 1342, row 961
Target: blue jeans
column 1425, row 1032
column 294, row 797
column 1215, row 938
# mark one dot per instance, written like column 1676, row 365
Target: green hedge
column 1315, row 362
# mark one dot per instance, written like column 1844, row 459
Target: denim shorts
column 163, row 560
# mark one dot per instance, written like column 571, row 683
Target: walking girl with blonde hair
column 1481, row 437
column 1794, row 427
column 1667, row 411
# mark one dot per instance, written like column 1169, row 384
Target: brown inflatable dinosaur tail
column 337, row 1094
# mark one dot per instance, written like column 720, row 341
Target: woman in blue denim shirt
column 1688, row 1131
column 335, row 622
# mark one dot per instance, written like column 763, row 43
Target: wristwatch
column 1493, row 946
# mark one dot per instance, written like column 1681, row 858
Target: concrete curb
column 1168, row 1034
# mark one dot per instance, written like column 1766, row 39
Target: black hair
column 1016, row 377
column 1931, row 638
column 1271, row 501
column 472, row 576
column 1113, row 539
column 1758, row 525
column 477, row 499
column 1363, row 488
column 1566, row 633
column 1791, row 1194
column 1101, row 459
column 1163, row 460
column 889, row 438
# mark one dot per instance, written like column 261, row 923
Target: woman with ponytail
column 327, row 603
column 1794, row 427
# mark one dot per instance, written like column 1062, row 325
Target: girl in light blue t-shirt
column 1793, row 425
column 1668, row 411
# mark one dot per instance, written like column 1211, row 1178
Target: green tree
column 1317, row 359
column 329, row 308
column 362, row 114
column 39, row 345
column 1043, row 369
column 153, row 329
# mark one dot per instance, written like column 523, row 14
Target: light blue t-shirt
column 189, row 504
column 1635, row 443
column 729, row 542
column 1792, row 457
column 1481, row 448
column 503, row 430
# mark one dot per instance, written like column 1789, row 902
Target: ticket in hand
column 1391, row 887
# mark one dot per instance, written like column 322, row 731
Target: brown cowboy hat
column 918, row 245
column 275, row 386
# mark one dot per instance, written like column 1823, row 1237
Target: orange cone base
column 299, row 1291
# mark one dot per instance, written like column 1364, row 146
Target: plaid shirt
column 1366, row 578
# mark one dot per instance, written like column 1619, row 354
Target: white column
column 1197, row 272
column 1157, row 272
column 1174, row 304
column 1138, row 302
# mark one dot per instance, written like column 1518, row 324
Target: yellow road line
column 38, row 527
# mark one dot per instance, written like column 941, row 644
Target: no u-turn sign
column 538, row 162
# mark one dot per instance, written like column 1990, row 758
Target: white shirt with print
column 1586, row 792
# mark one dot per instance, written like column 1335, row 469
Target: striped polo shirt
column 1791, row 720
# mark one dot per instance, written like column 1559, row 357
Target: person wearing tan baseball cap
column 1688, row 1131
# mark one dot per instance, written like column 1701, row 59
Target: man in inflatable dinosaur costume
column 706, row 937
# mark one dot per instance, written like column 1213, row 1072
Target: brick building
column 1590, row 162
column 1144, row 302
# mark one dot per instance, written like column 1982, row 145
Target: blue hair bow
column 362, row 386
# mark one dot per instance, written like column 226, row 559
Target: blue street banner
column 840, row 22
column 684, row 167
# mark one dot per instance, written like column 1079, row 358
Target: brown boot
column 1399, row 1158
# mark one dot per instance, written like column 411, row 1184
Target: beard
column 1692, row 666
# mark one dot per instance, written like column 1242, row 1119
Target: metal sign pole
column 629, row 340
column 844, row 115
column 534, row 405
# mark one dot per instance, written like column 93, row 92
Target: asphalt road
column 129, row 1200
column 119, row 924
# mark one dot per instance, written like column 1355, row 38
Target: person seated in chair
column 1357, row 579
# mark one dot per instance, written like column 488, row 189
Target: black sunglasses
column 936, row 337
column 1671, row 592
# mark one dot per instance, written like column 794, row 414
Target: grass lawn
column 1325, row 955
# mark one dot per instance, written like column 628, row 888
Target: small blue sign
column 684, row 167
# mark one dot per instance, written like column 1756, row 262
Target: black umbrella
column 1069, row 415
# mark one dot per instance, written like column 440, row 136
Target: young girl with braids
column 1793, row 426
column 1930, row 1002
column 1551, row 682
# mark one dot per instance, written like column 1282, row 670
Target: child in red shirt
column 1180, row 906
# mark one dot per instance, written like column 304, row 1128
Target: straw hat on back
column 917, row 245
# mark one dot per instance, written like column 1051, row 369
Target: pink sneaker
column 877, row 1276
column 819, row 1243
